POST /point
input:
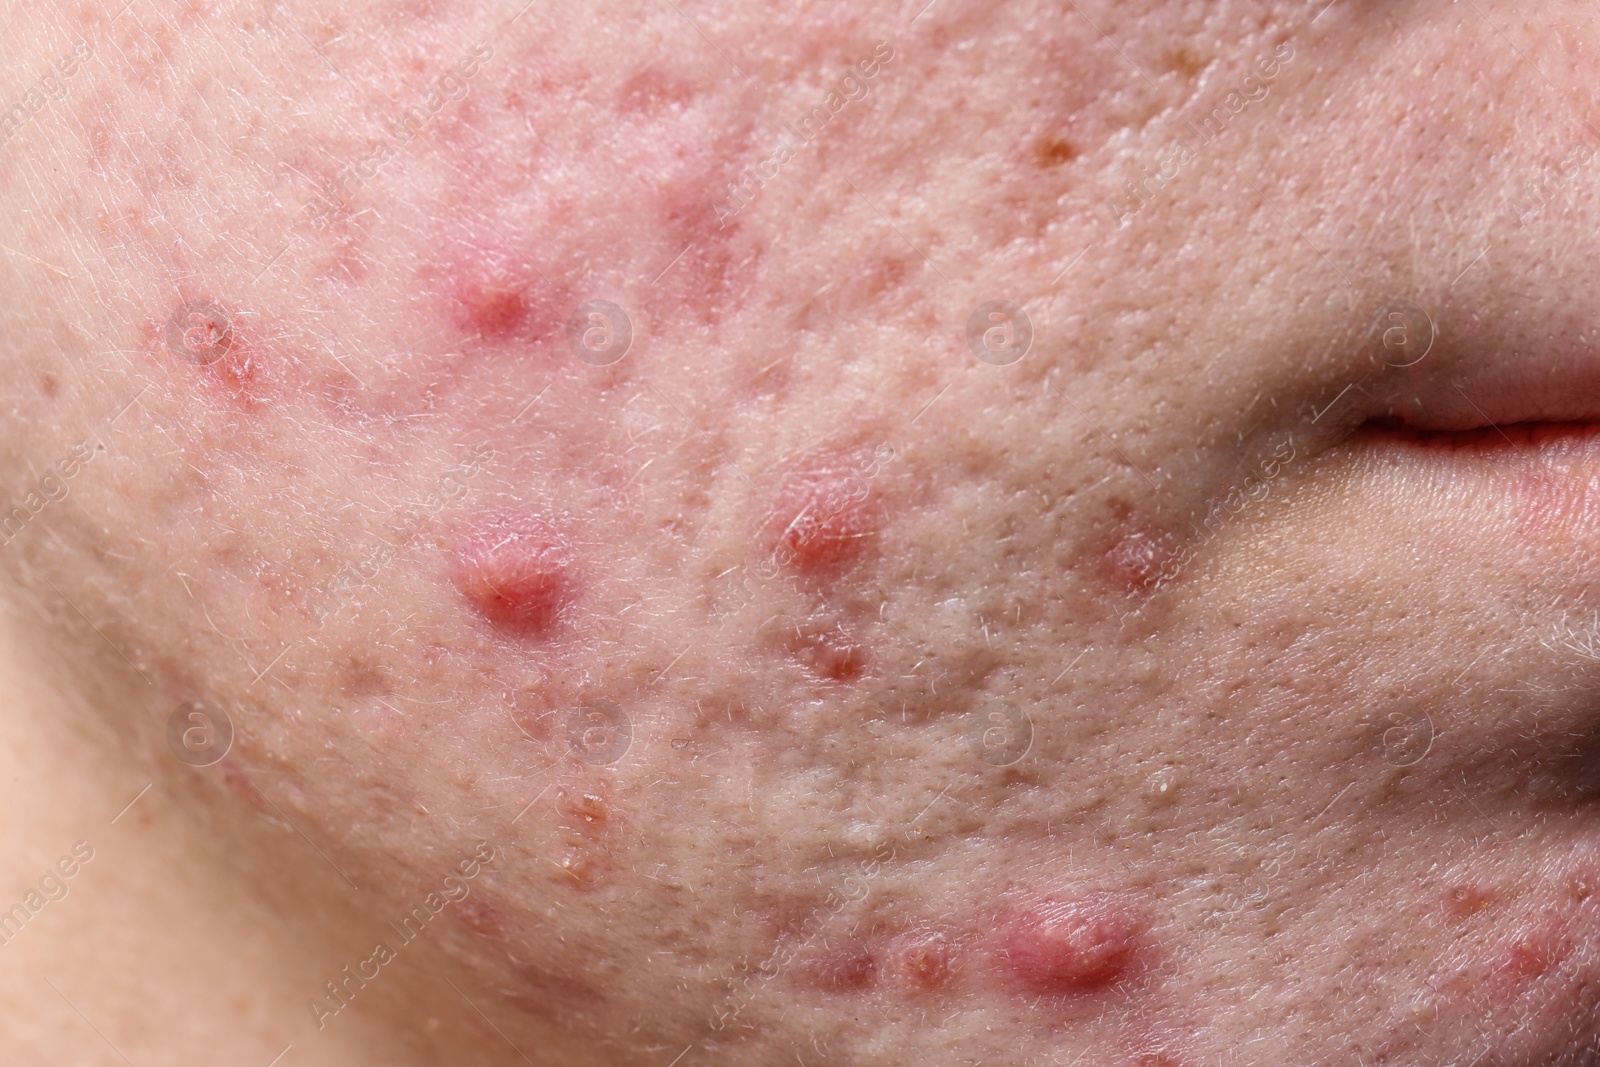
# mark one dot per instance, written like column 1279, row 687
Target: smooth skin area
column 677, row 534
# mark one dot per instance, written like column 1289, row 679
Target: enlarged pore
column 517, row 572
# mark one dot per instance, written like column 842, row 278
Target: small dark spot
column 50, row 385
column 1054, row 151
column 1185, row 62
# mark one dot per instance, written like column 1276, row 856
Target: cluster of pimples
column 1053, row 947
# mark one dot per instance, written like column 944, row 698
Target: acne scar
column 517, row 572
column 550, row 993
column 1070, row 944
column 584, row 809
column 832, row 655
column 574, row 865
column 481, row 918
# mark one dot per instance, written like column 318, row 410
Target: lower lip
column 1551, row 471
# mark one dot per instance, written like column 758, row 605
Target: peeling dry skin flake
column 754, row 533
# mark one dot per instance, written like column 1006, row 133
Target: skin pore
column 688, row 534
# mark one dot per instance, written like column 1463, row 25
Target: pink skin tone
column 1211, row 683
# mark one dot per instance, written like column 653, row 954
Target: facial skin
column 800, row 656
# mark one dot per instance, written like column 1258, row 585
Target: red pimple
column 1535, row 951
column 496, row 312
column 1135, row 561
column 1066, row 945
column 496, row 306
column 517, row 573
column 824, row 518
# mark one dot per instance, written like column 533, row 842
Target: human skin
column 807, row 682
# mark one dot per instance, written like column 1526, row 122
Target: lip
column 1549, row 473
